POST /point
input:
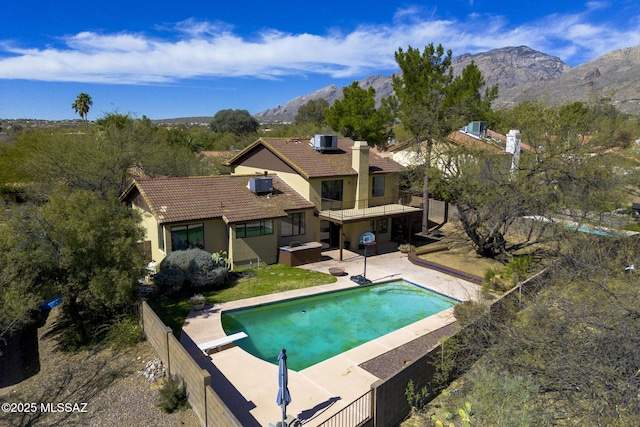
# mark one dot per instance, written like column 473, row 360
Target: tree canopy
column 77, row 245
column 563, row 176
column 82, row 105
column 312, row 112
column 356, row 116
column 104, row 158
column 238, row 122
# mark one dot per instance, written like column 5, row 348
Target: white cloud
column 204, row 49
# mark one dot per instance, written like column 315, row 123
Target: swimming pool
column 315, row 328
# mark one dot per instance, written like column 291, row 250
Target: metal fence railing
column 356, row 414
column 402, row 198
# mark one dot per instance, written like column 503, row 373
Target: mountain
column 614, row 77
column 522, row 74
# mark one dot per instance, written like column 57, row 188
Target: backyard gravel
column 394, row 360
column 109, row 382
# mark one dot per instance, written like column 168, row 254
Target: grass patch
column 263, row 280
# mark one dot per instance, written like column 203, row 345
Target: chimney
column 360, row 163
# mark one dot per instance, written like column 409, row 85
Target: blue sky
column 167, row 59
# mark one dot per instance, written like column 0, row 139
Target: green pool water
column 315, row 328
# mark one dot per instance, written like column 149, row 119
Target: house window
column 187, row 237
column 382, row 224
column 332, row 189
column 377, row 189
column 160, row 237
column 293, row 224
column 254, row 228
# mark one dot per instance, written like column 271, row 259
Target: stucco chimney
column 360, row 163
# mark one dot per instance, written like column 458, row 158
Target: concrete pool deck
column 248, row 385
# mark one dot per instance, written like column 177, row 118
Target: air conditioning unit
column 478, row 129
column 325, row 142
column 261, row 185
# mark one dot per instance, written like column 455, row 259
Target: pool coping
column 330, row 385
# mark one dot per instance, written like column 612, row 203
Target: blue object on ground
column 50, row 303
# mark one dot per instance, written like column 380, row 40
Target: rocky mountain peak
column 521, row 73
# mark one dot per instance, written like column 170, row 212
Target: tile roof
column 495, row 143
column 300, row 155
column 223, row 196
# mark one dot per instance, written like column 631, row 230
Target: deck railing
column 402, row 198
column 355, row 414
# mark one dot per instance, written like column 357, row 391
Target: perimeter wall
column 390, row 401
column 204, row 401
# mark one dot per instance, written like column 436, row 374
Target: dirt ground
column 108, row 382
column 463, row 258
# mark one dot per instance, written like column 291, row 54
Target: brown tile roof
column 223, row 196
column 300, row 155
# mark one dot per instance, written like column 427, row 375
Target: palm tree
column 82, row 105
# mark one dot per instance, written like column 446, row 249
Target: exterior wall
column 150, row 226
column 252, row 250
column 215, row 235
column 391, row 190
column 312, row 225
column 349, row 183
column 293, row 179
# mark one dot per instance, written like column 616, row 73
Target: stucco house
column 352, row 189
column 249, row 217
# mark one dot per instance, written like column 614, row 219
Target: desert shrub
column 169, row 280
column 505, row 399
column 220, row 259
column 173, row 395
column 518, row 268
column 468, row 311
column 125, row 333
column 417, row 399
column 197, row 266
column 496, row 278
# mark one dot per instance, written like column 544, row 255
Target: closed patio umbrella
column 283, row 398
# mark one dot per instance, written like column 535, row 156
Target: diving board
column 217, row 344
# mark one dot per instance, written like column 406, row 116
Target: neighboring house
column 353, row 190
column 410, row 153
column 249, row 217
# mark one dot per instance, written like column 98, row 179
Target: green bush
column 125, row 333
column 169, row 280
column 173, row 395
column 197, row 266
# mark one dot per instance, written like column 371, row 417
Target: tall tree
column 465, row 101
column 420, row 92
column 82, row 105
column 431, row 103
column 566, row 177
column 238, row 122
column 355, row 116
column 312, row 112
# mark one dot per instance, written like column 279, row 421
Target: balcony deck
column 343, row 216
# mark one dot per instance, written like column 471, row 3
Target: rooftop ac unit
column 477, row 128
column 261, row 185
column 325, row 142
